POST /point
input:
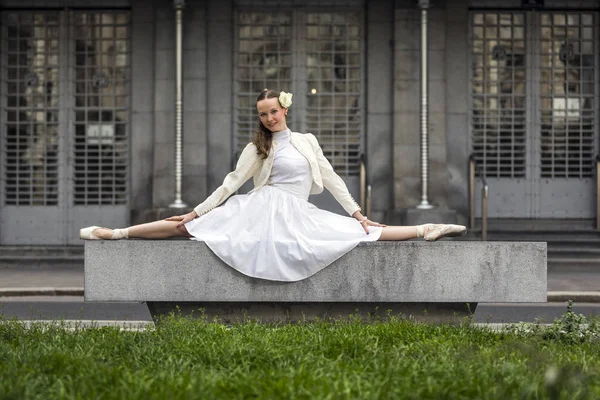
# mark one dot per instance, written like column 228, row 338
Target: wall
column 380, row 98
column 457, row 106
column 142, row 105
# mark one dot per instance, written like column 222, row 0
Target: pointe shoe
column 438, row 231
column 88, row 233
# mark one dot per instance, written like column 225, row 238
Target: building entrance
column 534, row 119
column 64, row 124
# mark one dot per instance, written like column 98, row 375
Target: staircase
column 571, row 243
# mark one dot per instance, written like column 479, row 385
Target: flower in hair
column 285, row 99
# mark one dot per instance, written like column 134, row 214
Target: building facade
column 88, row 104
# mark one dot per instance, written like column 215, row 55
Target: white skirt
column 272, row 234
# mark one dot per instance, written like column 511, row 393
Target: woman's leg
column 429, row 232
column 398, row 233
column 152, row 230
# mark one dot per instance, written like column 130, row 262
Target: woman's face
column 271, row 114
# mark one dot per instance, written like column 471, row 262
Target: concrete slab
column 415, row 271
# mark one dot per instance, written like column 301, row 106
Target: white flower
column 285, row 99
column 551, row 375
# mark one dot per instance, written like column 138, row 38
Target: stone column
column 425, row 205
column 142, row 109
column 379, row 112
column 179, row 5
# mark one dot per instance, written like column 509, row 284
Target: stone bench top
column 413, row 271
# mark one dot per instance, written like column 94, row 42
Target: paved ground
column 73, row 308
column 574, row 278
column 30, row 277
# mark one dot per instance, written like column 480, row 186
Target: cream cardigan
column 250, row 164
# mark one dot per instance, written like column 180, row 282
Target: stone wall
column 142, row 104
column 457, row 107
column 379, row 118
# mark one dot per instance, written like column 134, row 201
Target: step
column 573, row 260
column 539, row 225
column 41, row 250
column 552, row 238
column 573, row 250
column 547, row 235
column 41, row 256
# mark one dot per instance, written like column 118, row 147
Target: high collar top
column 283, row 136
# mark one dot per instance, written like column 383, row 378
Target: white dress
column 274, row 233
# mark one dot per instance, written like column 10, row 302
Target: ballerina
column 273, row 232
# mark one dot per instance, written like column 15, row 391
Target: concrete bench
column 434, row 281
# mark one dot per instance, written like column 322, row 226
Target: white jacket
column 250, row 164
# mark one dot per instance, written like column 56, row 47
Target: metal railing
column 365, row 189
column 473, row 169
column 598, row 192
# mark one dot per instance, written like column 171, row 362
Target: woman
column 273, row 232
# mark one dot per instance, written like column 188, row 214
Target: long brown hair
column 263, row 137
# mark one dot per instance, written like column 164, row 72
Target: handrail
column 598, row 192
column 368, row 199
column 363, row 181
column 473, row 168
column 365, row 188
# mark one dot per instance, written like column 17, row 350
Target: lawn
column 395, row 358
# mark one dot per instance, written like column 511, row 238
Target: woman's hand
column 183, row 219
column 367, row 222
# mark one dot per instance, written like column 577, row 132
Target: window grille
column 516, row 4
column 572, row 4
column 334, row 70
column 264, row 60
column 298, row 3
column 101, row 141
column 498, row 95
column 568, row 91
column 31, row 146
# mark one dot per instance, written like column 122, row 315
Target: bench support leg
column 269, row 312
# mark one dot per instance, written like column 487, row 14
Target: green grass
column 188, row 359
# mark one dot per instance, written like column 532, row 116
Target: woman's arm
column 334, row 183
column 246, row 166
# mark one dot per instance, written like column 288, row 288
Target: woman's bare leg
column 158, row 230
column 426, row 231
column 398, row 233
column 152, row 230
